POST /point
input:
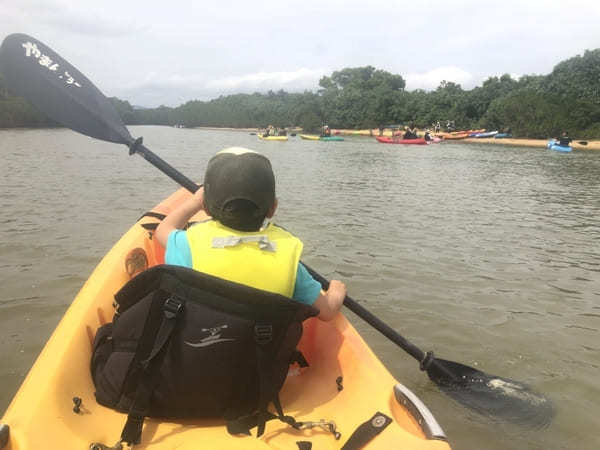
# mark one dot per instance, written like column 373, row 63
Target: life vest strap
column 231, row 241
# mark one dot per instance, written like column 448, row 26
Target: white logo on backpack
column 213, row 338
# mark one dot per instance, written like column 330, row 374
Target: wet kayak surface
column 488, row 256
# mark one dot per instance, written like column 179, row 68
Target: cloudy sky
column 152, row 53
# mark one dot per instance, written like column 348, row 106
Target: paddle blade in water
column 492, row 396
column 36, row 72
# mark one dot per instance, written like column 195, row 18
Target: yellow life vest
column 266, row 259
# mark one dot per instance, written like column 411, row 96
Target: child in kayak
column 236, row 242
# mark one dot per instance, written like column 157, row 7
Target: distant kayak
column 503, row 136
column 554, row 145
column 314, row 137
column 309, row 137
column 484, row 135
column 272, row 138
column 453, row 135
column 387, row 140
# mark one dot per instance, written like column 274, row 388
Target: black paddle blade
column 492, row 396
column 36, row 72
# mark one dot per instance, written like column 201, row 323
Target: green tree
column 529, row 114
column 360, row 96
column 365, row 97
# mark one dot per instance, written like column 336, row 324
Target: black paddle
column 34, row 71
column 487, row 394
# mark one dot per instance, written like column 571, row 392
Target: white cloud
column 431, row 79
column 66, row 17
column 300, row 79
column 174, row 89
column 154, row 52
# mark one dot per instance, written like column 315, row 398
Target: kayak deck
column 41, row 414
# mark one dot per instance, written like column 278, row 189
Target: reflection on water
column 488, row 255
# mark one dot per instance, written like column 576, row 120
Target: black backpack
column 184, row 344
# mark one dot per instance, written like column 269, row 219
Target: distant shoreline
column 539, row 143
column 591, row 145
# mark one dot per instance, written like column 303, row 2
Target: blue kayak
column 484, row 135
column 553, row 145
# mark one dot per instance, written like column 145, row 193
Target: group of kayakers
column 274, row 131
column 411, row 132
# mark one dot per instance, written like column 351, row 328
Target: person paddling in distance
column 564, row 140
column 236, row 242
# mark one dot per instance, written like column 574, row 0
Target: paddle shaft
column 349, row 303
column 427, row 361
column 163, row 166
column 373, row 320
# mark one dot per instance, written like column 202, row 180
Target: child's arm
column 330, row 302
column 178, row 218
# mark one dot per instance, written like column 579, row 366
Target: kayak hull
column 453, row 136
column 273, row 138
column 314, row 137
column 489, row 134
column 387, row 140
column 553, row 145
column 309, row 137
column 41, row 413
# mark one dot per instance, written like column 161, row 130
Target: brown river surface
column 488, row 255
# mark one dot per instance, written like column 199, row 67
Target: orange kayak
column 387, row 140
column 455, row 136
column 41, row 414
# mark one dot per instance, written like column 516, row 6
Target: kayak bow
column 346, row 385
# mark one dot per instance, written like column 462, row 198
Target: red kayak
column 389, row 140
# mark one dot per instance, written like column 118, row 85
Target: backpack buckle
column 263, row 334
column 172, row 307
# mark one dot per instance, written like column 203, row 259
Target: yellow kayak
column 310, row 137
column 42, row 415
column 272, row 138
column 313, row 137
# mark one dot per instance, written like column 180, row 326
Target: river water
column 488, row 255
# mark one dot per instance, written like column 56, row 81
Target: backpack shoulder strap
column 150, row 365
